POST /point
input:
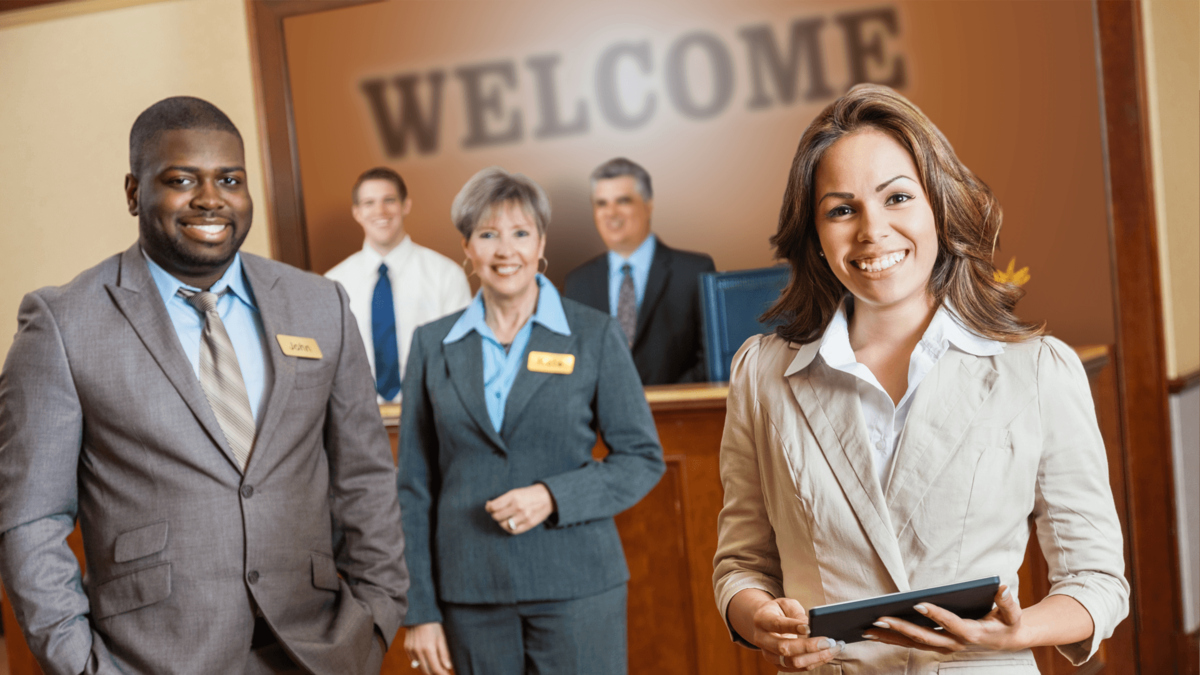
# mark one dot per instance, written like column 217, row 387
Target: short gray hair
column 620, row 166
column 492, row 187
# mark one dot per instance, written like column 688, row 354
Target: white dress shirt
column 884, row 419
column 426, row 285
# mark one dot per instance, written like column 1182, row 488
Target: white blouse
column 884, row 419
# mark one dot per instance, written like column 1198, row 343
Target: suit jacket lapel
column 829, row 401
column 945, row 405
column 528, row 382
column 137, row 297
column 464, row 360
column 276, row 318
column 656, row 283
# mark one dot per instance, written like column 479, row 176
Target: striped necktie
column 221, row 378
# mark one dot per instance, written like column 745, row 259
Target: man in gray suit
column 209, row 418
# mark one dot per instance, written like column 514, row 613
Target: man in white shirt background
column 394, row 284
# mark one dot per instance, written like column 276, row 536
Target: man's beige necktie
column 221, row 378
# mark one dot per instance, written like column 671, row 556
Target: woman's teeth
column 505, row 270
column 880, row 264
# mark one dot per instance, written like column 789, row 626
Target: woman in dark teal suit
column 515, row 562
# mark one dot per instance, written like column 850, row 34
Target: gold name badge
column 305, row 348
column 547, row 362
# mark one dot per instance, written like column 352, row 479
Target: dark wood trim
column 1186, row 381
column 1140, row 350
column 276, row 125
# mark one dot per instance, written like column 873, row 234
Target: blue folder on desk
column 731, row 303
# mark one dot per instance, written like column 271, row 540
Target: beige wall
column 75, row 77
column 1172, row 44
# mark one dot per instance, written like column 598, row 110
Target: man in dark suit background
column 209, row 418
column 651, row 289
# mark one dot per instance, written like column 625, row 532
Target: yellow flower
column 1012, row 275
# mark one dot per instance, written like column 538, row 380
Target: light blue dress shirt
column 640, row 261
column 500, row 368
column 238, row 312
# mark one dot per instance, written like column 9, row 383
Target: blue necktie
column 383, row 333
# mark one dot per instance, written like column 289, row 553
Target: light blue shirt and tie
column 500, row 367
column 238, row 312
column 639, row 261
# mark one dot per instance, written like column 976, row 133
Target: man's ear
column 131, row 193
column 406, row 208
column 649, row 207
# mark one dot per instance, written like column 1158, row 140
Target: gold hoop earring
column 469, row 272
column 540, row 261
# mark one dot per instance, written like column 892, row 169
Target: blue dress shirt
column 238, row 312
column 500, row 368
column 640, row 261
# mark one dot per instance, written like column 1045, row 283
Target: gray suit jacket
column 103, row 419
column 452, row 461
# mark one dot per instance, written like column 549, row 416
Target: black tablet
column 848, row 621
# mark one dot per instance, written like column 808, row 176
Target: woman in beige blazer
column 902, row 426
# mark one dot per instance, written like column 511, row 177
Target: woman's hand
column 426, row 646
column 779, row 627
column 520, row 510
column 1001, row 630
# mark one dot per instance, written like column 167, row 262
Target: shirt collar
column 233, row 279
column 945, row 330
column 640, row 259
column 394, row 258
column 549, row 313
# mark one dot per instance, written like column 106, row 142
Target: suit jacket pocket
column 325, row 573
column 132, row 591
column 139, row 543
column 994, row 666
column 315, row 376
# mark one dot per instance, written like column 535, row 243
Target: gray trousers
column 584, row 636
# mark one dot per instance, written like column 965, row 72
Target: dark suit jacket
column 452, row 461
column 668, row 345
column 103, row 418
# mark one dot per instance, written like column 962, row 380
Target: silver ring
column 511, row 527
column 415, row 664
column 783, row 660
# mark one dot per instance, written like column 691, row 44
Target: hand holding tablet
column 849, row 621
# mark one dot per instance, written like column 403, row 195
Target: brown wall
column 1011, row 84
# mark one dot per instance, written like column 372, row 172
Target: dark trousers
column 585, row 636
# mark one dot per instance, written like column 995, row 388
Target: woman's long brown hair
column 966, row 214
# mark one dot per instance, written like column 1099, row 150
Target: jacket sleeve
column 41, row 437
column 1077, row 524
column 634, row 463
column 419, row 482
column 747, row 556
column 370, row 551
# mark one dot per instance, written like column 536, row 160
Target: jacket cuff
column 1105, row 611
column 732, row 587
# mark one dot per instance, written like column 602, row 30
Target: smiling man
column 207, row 417
column 651, row 289
column 394, row 284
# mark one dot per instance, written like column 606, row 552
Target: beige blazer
column 989, row 443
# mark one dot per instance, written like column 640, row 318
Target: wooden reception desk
column 670, row 538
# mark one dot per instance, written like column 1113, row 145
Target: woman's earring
column 540, row 261
column 469, row 272
column 821, row 253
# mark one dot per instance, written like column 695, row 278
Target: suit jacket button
column 247, row 491
column 252, row 577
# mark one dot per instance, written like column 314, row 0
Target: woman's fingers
column 808, row 653
column 890, row 637
column 924, row 638
column 1007, row 606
